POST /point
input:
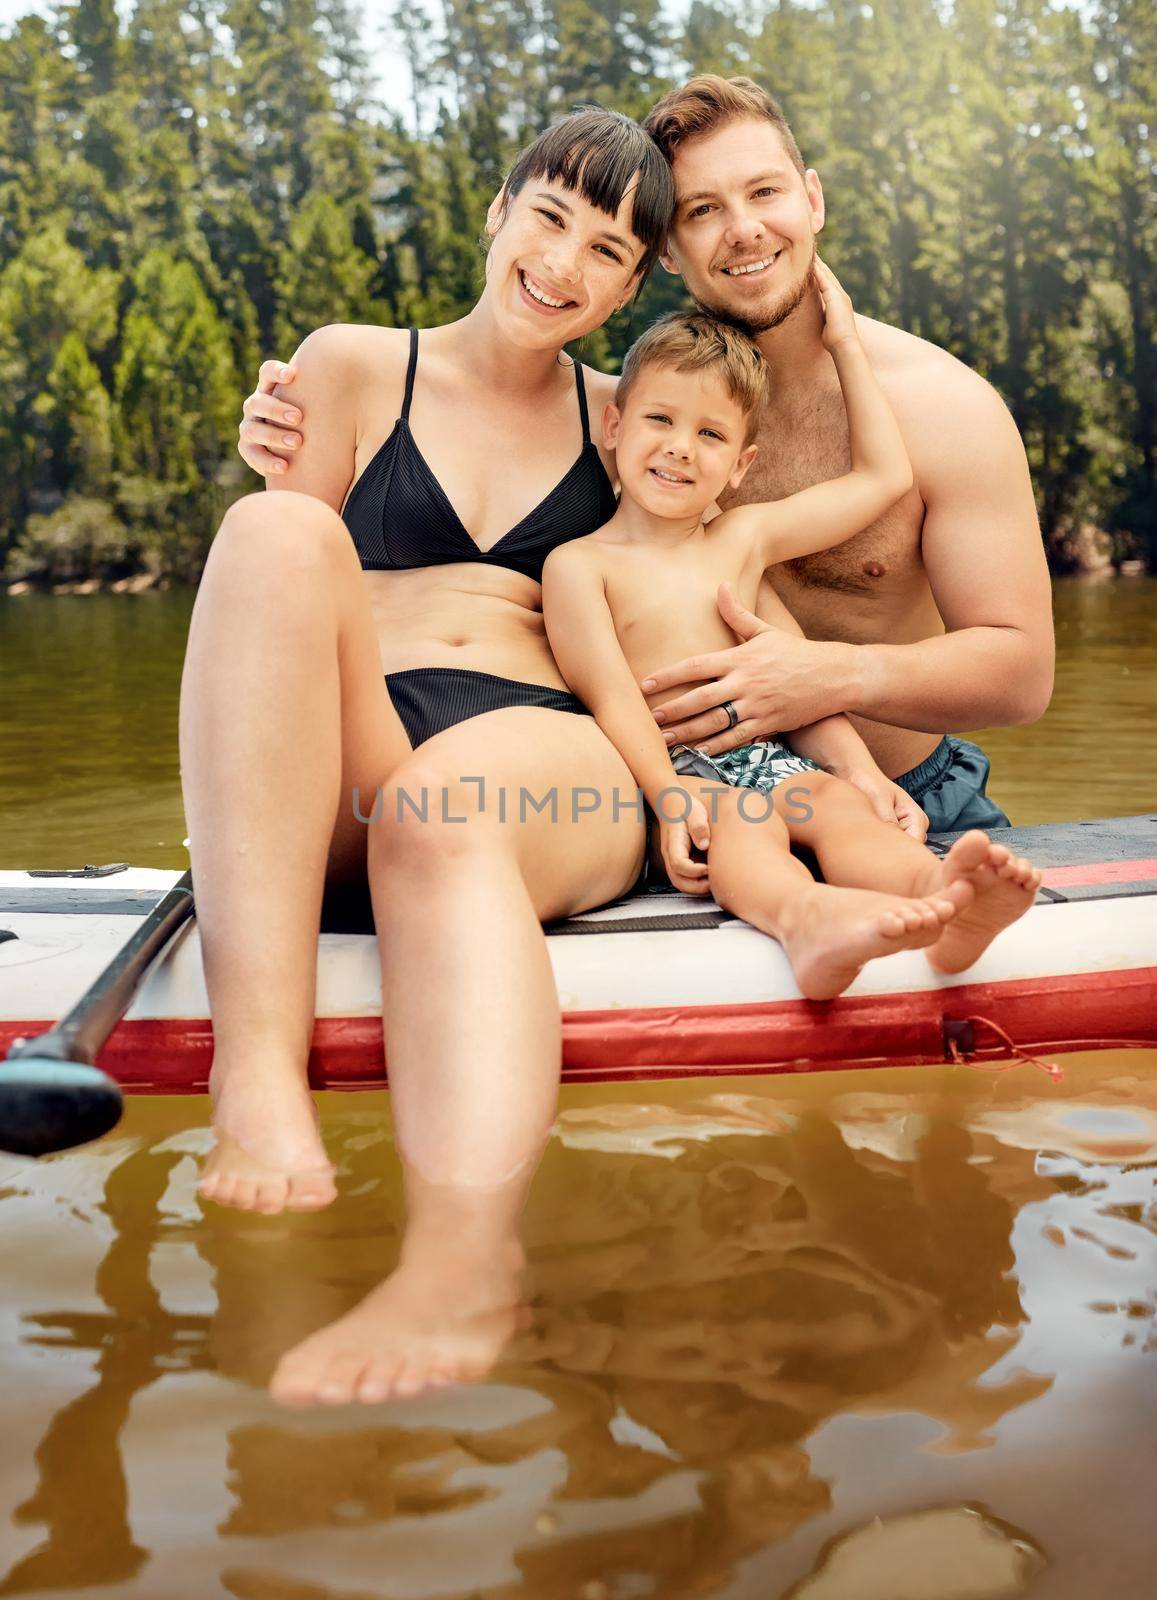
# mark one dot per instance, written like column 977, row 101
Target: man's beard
column 762, row 319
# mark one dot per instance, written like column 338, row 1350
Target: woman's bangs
column 603, row 156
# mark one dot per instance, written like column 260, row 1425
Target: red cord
column 1052, row 1069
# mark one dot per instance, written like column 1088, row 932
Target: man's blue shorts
column 950, row 786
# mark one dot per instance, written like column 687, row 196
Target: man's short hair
column 708, row 102
column 693, row 342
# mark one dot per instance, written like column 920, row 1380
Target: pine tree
column 76, row 414
column 176, row 398
column 321, row 277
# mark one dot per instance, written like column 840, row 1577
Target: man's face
column 742, row 204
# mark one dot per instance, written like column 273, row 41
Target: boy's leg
column 855, row 848
column 827, row 933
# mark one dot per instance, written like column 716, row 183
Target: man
column 938, row 616
column 935, row 618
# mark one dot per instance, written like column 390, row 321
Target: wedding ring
column 732, row 714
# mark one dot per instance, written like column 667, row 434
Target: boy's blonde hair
column 708, row 102
column 693, row 342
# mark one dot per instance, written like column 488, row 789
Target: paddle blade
column 48, row 1105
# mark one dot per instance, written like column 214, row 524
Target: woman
column 287, row 732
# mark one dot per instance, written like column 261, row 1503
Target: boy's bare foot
column 439, row 1319
column 833, row 932
column 268, row 1156
column 1005, row 886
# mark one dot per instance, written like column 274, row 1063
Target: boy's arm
column 881, row 473
column 586, row 647
column 831, row 742
column 834, row 744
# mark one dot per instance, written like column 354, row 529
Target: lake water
column 88, row 722
column 886, row 1335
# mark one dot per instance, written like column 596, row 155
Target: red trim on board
column 1074, row 1011
column 1099, row 872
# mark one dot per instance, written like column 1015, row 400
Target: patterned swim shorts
column 761, row 765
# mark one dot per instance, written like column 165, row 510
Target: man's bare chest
column 882, row 560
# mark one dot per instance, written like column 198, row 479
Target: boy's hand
column 839, row 317
column 889, row 801
column 266, row 419
column 678, row 838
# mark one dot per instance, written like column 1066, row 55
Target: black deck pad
column 1100, row 843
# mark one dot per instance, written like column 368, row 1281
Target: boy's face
column 679, row 441
column 743, row 205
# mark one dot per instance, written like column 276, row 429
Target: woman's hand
column 263, row 439
column 889, row 801
column 839, row 317
column 678, row 838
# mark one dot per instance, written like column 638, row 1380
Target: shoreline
column 148, row 582
column 138, row 583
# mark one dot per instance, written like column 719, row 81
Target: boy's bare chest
column 655, row 594
column 796, row 453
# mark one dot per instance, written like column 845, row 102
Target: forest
column 190, row 185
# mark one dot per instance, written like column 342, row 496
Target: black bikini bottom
column 429, row 700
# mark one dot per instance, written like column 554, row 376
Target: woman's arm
column 331, row 367
column 267, row 435
column 302, row 432
column 881, row 473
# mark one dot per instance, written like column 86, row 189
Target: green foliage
column 322, row 275
column 175, row 390
column 194, row 183
column 82, row 538
column 75, row 409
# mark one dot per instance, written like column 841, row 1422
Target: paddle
column 51, row 1095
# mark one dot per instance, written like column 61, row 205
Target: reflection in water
column 955, row 1554
column 81, row 1495
column 725, row 1282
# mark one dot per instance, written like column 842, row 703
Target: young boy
column 642, row 591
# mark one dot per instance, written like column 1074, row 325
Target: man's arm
column 986, row 567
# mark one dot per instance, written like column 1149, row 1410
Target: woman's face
column 558, row 266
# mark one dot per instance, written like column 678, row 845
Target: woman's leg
column 283, row 710
column 473, row 1039
column 827, row 933
column 855, row 848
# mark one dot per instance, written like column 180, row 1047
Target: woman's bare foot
column 833, row 932
column 441, row 1318
column 268, row 1156
column 1005, row 887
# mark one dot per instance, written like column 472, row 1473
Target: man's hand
column 677, row 838
column 264, row 428
column 775, row 680
column 889, row 801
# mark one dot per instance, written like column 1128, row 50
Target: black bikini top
column 400, row 516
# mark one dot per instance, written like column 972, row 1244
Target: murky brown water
column 863, row 1336
column 766, row 1315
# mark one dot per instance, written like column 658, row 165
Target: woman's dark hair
column 601, row 154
